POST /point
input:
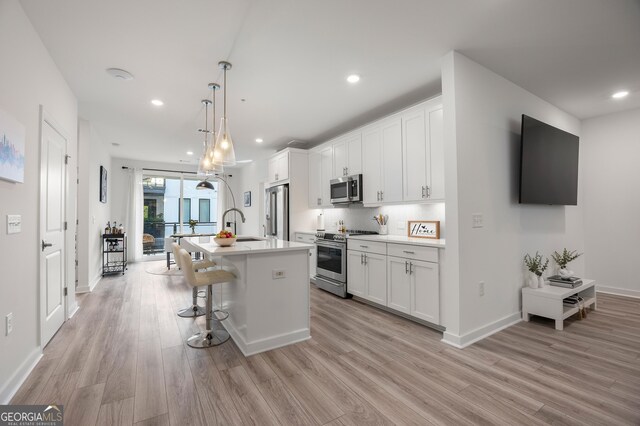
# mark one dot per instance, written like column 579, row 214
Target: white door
column 53, row 150
column 314, row 180
column 376, row 274
column 355, row 273
column 372, row 165
column 414, row 147
column 425, row 291
column 392, row 161
column 436, row 157
column 398, row 286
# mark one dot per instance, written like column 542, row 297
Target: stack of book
column 568, row 282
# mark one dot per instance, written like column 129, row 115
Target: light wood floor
column 122, row 360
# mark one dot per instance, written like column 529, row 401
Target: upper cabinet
column 382, row 162
column 347, row 155
column 278, row 167
column 423, row 152
column 320, row 173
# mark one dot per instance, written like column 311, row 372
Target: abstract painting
column 12, row 139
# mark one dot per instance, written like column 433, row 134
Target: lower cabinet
column 399, row 287
column 309, row 239
column 424, row 278
column 367, row 276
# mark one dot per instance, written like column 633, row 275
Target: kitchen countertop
column 400, row 239
column 206, row 245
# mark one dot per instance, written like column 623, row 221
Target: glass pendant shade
column 223, row 152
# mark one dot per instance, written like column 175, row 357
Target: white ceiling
column 291, row 57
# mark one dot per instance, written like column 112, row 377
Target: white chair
column 194, row 310
column 212, row 336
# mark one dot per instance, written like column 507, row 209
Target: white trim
column 618, row 291
column 480, row 333
column 263, row 345
column 89, row 287
column 13, row 384
column 74, row 310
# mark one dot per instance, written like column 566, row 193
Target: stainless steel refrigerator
column 277, row 211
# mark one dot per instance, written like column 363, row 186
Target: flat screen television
column 548, row 164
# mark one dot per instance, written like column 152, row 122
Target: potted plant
column 563, row 259
column 192, row 225
column 536, row 266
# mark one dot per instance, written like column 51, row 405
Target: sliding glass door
column 170, row 203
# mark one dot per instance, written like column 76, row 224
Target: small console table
column 547, row 301
column 114, row 253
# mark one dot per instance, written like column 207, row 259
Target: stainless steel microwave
column 347, row 189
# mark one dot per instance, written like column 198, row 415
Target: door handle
column 406, row 267
column 45, row 245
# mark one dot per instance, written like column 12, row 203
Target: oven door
column 331, row 260
column 340, row 190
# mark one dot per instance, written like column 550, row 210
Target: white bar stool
column 211, row 336
column 194, row 310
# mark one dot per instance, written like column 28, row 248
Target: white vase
column 533, row 280
column 541, row 282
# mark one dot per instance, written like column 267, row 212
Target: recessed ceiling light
column 189, row 152
column 620, row 95
column 353, row 78
column 120, row 74
column 259, row 140
column 115, row 144
column 157, row 102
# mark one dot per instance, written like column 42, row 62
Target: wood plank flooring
column 122, row 360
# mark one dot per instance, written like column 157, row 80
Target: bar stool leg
column 214, row 334
column 194, row 310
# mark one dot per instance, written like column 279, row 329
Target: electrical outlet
column 478, row 220
column 9, row 323
column 278, row 274
column 481, row 288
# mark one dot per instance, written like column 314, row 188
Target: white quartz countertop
column 400, row 239
column 208, row 246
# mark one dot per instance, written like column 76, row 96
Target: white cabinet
column 367, row 276
column 423, row 152
column 425, row 290
column 309, row 239
column 320, row 172
column 399, row 287
column 347, row 155
column 382, row 162
column 278, row 167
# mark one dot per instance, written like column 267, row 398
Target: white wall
column 28, row 78
column 611, row 151
column 485, row 110
column 92, row 214
column 250, row 177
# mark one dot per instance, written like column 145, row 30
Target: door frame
column 47, row 118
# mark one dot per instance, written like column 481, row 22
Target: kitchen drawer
column 367, row 246
column 305, row 238
column 427, row 254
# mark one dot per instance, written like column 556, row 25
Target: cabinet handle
column 361, row 259
column 406, row 267
column 408, row 252
column 378, row 195
column 381, row 195
column 410, row 268
column 423, row 192
column 364, row 246
column 428, row 192
column 365, row 259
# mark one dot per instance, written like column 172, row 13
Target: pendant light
column 216, row 164
column 224, row 152
column 204, row 167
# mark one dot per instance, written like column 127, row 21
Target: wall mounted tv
column 548, row 164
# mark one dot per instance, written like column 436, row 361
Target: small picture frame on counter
column 424, row 229
column 247, row 199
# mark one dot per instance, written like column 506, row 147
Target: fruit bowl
column 225, row 242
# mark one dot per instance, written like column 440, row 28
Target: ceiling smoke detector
column 120, row 74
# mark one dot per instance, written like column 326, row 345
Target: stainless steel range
column 331, row 259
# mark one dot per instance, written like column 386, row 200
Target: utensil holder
column 383, row 230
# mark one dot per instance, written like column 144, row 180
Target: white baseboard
column 73, row 310
column 21, row 374
column 263, row 345
column 480, row 333
column 618, row 291
column 89, row 288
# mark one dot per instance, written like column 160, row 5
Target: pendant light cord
column 225, row 98
column 213, row 101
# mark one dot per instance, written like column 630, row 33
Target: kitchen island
column 268, row 303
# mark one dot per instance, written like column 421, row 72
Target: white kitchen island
column 268, row 304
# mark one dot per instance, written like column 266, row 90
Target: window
column 186, row 210
column 204, row 210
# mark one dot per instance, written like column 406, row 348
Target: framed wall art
column 424, row 229
column 103, row 185
column 12, row 142
column 247, row 199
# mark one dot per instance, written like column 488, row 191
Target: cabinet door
column 315, row 176
column 356, row 281
column 272, row 167
column 326, row 173
column 398, row 285
column 436, row 156
column 425, row 291
column 312, row 261
column 414, row 148
column 340, row 159
column 371, row 165
column 354, row 154
column 392, row 161
column 283, row 166
column 376, row 271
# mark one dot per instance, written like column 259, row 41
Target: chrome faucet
column 224, row 216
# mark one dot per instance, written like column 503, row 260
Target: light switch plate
column 477, row 220
column 14, row 223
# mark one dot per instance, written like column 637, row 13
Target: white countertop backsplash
column 361, row 218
